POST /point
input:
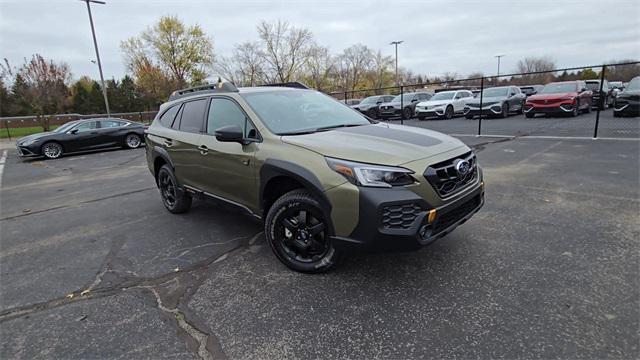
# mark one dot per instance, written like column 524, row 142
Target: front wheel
column 299, row 233
column 529, row 115
column 407, row 113
column 505, row 111
column 448, row 112
column 173, row 197
column 51, row 150
column 576, row 109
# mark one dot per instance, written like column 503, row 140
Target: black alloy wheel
column 299, row 233
column 448, row 112
column 407, row 113
column 174, row 199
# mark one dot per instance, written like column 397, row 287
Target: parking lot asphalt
column 92, row 265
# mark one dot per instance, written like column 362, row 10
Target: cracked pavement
column 92, row 266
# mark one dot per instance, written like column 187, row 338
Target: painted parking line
column 545, row 137
column 3, row 159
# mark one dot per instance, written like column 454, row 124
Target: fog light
column 432, row 216
column 482, row 185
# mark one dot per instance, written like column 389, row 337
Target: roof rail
column 221, row 86
column 291, row 84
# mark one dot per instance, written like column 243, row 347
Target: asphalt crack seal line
column 207, row 343
column 11, row 217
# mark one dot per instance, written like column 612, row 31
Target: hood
column 383, row 144
column 394, row 104
column 552, row 96
column 36, row 136
column 363, row 106
column 629, row 93
column 435, row 102
column 487, row 100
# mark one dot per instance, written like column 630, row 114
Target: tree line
column 171, row 55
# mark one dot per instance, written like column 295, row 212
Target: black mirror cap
column 230, row 133
column 74, row 131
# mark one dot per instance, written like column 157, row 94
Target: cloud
column 439, row 36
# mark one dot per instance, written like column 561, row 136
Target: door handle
column 203, row 150
column 168, row 142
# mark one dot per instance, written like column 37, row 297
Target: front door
column 182, row 144
column 228, row 167
column 82, row 137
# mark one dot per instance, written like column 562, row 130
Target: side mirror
column 379, row 102
column 230, row 133
column 414, row 100
column 74, row 131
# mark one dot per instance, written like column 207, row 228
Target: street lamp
column 95, row 44
column 396, row 43
column 499, row 56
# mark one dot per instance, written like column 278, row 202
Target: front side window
column 447, row 95
column 88, row 126
column 193, row 115
column 225, row 112
column 297, row 111
column 495, row 92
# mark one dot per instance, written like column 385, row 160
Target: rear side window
column 193, row 116
column 167, row 118
column 111, row 123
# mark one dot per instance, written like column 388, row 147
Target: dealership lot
column 94, row 266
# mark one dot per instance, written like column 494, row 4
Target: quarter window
column 193, row 115
column 111, row 124
column 224, row 112
column 167, row 118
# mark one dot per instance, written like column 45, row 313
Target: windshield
column 405, row 98
column 634, row 84
column 442, row 96
column 298, row 111
column 66, row 127
column 371, row 100
column 495, row 92
column 593, row 85
column 559, row 88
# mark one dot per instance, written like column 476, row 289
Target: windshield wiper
column 324, row 128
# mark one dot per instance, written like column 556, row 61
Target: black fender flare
column 159, row 152
column 272, row 168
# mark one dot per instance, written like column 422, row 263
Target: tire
column 299, row 234
column 51, row 150
column 175, row 199
column 407, row 113
column 505, row 111
column 132, row 141
column 529, row 115
column 469, row 117
column 576, row 109
column 421, row 117
column 372, row 113
column 521, row 110
column 588, row 109
column 448, row 112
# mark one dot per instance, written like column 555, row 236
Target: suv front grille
column 446, row 180
column 455, row 215
column 400, row 216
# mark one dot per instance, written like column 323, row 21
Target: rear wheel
column 173, row 197
column 132, row 141
column 51, row 150
column 299, row 234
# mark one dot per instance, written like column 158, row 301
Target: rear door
column 182, row 145
column 228, row 167
column 110, row 133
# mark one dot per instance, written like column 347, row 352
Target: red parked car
column 560, row 98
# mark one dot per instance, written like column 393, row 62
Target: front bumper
column 389, row 113
column 397, row 219
column 486, row 111
column 561, row 108
column 628, row 108
column 27, row 151
column 439, row 112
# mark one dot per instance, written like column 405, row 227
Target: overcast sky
column 439, row 36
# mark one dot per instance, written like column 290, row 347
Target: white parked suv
column 444, row 104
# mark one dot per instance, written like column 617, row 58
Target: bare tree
column 535, row 64
column 319, row 67
column 285, row 49
column 381, row 70
column 352, row 65
column 622, row 72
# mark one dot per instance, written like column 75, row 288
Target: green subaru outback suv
column 325, row 179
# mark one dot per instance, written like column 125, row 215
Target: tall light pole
column 95, row 44
column 499, row 56
column 396, row 43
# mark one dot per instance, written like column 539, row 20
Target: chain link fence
column 595, row 116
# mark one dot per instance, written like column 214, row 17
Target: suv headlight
column 371, row 175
